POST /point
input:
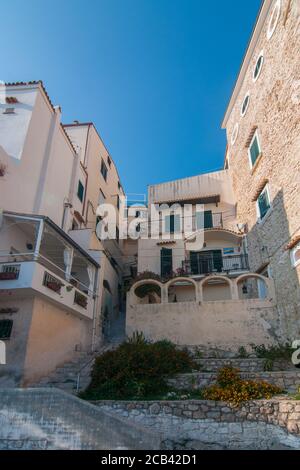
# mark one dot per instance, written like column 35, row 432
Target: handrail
column 80, row 371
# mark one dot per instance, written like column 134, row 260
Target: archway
column 182, row 290
column 147, row 292
column 216, row 288
column 252, row 286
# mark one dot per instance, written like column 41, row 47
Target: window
column 274, row 18
column 295, row 255
column 235, row 133
column 119, row 185
column 80, row 191
column 117, row 234
column 166, row 262
column 108, row 160
column 204, row 220
column 172, row 223
column 104, row 170
column 254, row 150
column 245, row 104
column 5, row 328
column 118, row 202
column 258, row 66
column 263, row 203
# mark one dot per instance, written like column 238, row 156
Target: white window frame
column 267, row 189
column 235, row 134
column 276, row 10
column 247, row 95
column 260, row 55
column 255, row 136
column 293, row 252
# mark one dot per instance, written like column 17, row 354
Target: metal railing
column 52, row 282
column 9, row 260
column 202, row 264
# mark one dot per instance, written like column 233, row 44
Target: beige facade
column 51, row 186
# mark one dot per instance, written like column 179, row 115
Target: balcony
column 201, row 264
column 54, row 265
column 17, row 280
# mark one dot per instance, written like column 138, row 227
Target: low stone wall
column 244, row 365
column 289, row 381
column 51, row 419
column 261, row 424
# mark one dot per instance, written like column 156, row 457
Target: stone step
column 289, row 381
column 245, row 365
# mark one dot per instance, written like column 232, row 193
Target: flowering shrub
column 234, row 390
column 137, row 370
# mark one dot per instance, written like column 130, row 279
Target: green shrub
column 137, row 370
column 280, row 351
column 232, row 389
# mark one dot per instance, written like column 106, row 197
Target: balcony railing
column 10, row 272
column 52, row 283
column 202, row 264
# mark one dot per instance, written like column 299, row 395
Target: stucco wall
column 11, row 373
column 225, row 325
column 52, row 339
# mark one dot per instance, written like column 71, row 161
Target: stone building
column 262, row 122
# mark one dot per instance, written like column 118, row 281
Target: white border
column 246, row 109
column 293, row 252
column 261, row 54
column 267, row 189
column 276, row 10
column 249, row 149
column 235, row 133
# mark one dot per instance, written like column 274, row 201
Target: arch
column 183, row 294
column 260, row 289
column 153, row 296
column 216, row 292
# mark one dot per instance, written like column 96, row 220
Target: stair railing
column 79, row 374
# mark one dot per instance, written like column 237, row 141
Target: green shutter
column 263, row 204
column 254, row 151
column 166, row 261
column 5, row 328
column 208, row 220
column 80, row 191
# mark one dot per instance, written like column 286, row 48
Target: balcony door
column 166, row 262
column 205, row 262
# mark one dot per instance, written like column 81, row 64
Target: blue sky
column 154, row 76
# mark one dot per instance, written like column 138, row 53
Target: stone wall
column 51, row 419
column 244, row 365
column 266, row 424
column 289, row 381
column 274, row 109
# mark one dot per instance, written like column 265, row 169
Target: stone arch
column 214, row 291
column 184, row 292
column 151, row 296
column 260, row 289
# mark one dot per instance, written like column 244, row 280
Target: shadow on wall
column 269, row 256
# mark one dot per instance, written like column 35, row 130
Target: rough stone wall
column 262, row 424
column 289, row 381
column 274, row 109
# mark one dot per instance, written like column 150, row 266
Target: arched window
column 258, row 66
column 295, row 255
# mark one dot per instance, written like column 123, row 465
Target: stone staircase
column 65, row 377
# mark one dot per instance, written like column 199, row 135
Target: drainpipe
column 95, row 312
